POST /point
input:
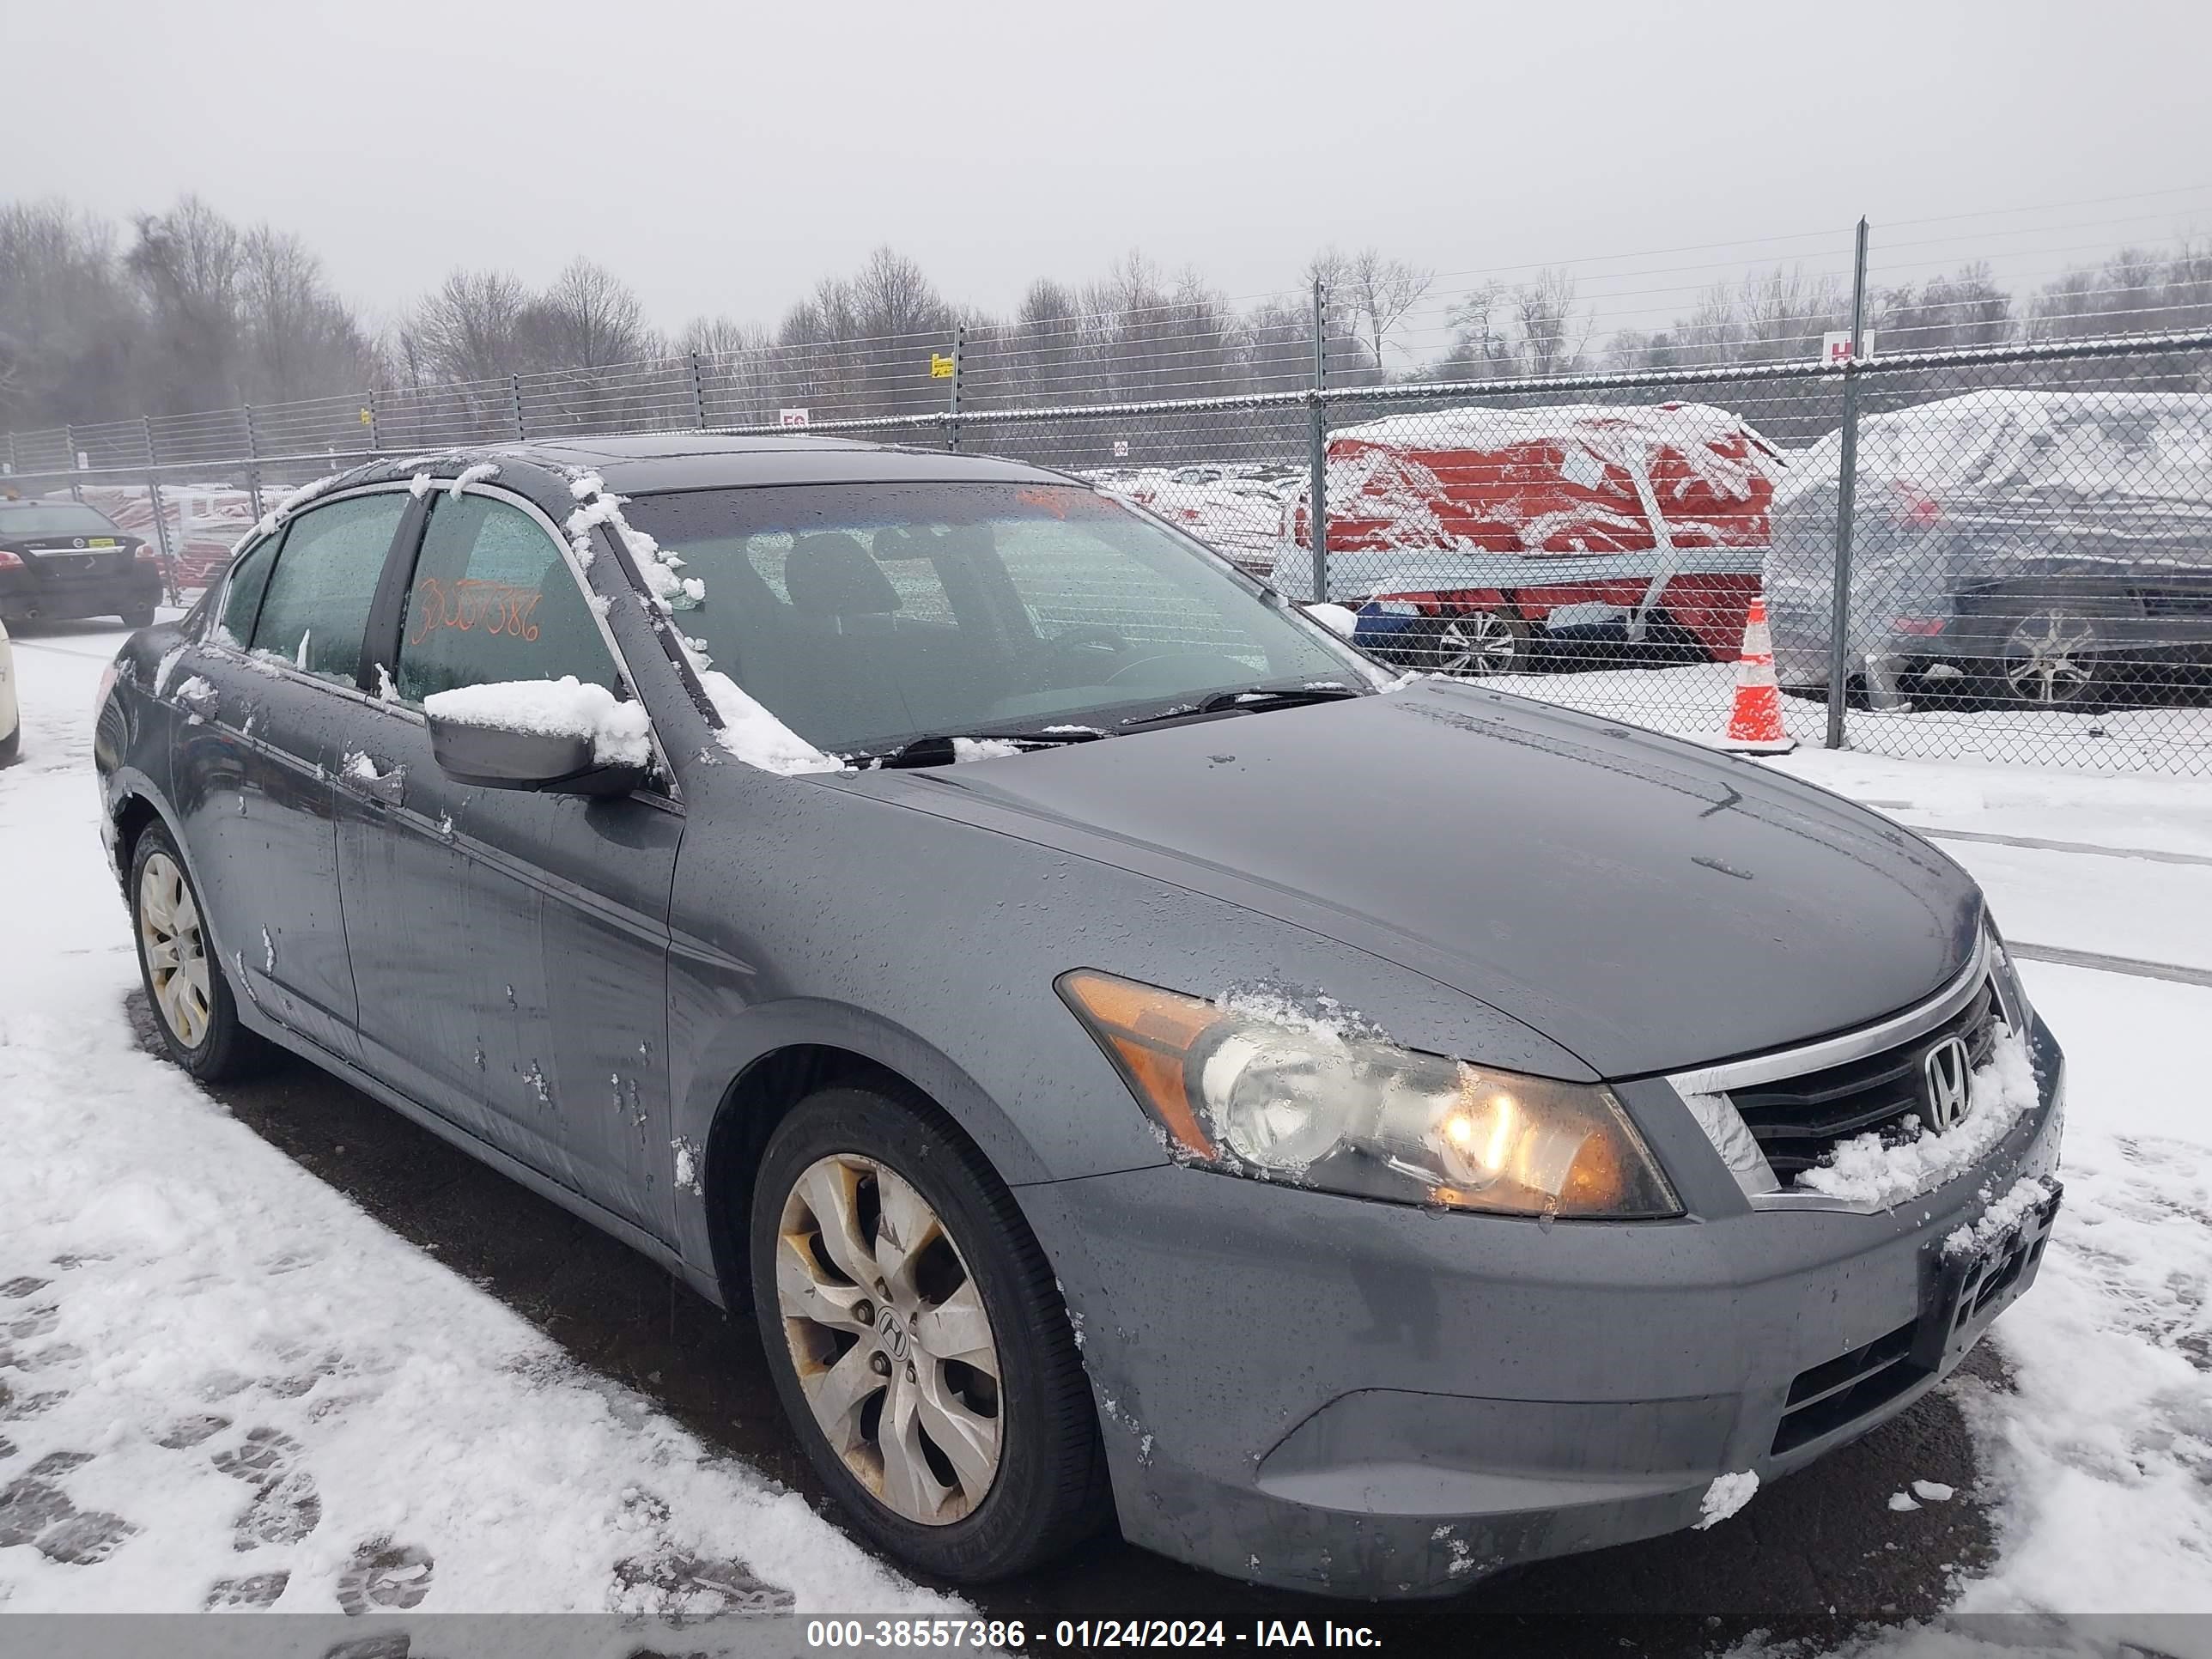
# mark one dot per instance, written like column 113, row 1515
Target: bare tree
column 1374, row 291
column 466, row 330
column 299, row 340
column 187, row 263
column 588, row 319
column 69, row 331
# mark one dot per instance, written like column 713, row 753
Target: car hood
column 1645, row 904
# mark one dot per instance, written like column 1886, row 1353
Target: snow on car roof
column 1602, row 428
column 1951, row 442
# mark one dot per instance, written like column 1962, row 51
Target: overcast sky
column 722, row 157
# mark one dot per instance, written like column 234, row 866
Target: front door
column 510, row 948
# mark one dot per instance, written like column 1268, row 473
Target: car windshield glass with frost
column 866, row 614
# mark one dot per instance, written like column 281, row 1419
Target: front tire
column 193, row 1007
column 2052, row 660
column 919, row 1347
column 137, row 617
column 1471, row 643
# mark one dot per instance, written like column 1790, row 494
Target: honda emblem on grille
column 1948, row 1071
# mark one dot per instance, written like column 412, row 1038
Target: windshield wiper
column 937, row 749
column 1251, row 700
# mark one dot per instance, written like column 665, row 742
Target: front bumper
column 1321, row 1394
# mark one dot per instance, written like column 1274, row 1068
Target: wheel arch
column 773, row 1057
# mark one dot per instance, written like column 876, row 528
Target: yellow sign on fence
column 940, row 366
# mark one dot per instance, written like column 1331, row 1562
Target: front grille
column 1826, row 1396
column 1798, row 1121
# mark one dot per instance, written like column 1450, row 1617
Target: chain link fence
column 2022, row 562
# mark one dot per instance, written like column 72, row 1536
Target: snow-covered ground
column 220, row 1381
column 222, row 1384
column 1692, row 701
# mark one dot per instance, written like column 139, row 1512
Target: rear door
column 510, row 948
column 278, row 710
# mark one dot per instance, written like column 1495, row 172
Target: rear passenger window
column 316, row 607
column 494, row 600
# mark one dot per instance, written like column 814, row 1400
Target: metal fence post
column 375, row 436
column 514, row 399
column 1839, row 597
column 1317, row 459
column 253, row 473
column 77, row 484
column 952, row 409
column 161, row 513
column 698, row 392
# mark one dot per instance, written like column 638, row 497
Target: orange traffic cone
column 1755, row 721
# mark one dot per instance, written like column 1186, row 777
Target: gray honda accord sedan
column 1140, row 1064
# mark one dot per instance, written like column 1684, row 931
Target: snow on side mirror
column 553, row 737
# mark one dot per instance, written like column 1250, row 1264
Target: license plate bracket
column 1967, row 1290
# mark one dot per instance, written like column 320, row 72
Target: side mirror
column 562, row 736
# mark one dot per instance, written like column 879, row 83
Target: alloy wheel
column 1474, row 642
column 890, row 1338
column 2045, row 659
column 169, row 933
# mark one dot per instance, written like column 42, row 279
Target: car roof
column 647, row 463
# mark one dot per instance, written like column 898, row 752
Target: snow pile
column 1337, row 618
column 2020, row 1200
column 755, row 736
column 1295, row 1008
column 617, row 730
column 293, row 502
column 225, row 1384
column 2098, row 1446
column 984, row 749
column 482, row 472
column 2064, row 438
column 1728, row 1494
column 361, row 768
column 1866, row 1170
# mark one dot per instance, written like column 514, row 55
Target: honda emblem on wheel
column 1948, row 1071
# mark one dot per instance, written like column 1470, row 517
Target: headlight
column 1302, row 1099
column 2012, row 995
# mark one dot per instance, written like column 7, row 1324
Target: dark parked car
column 62, row 559
column 2035, row 548
column 1037, row 970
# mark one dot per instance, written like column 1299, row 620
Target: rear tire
column 142, row 617
column 193, row 1007
column 874, row 1321
column 12, row 746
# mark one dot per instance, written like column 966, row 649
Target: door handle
column 380, row 781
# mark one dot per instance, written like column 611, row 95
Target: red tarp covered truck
column 1463, row 536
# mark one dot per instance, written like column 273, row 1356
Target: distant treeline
column 185, row 311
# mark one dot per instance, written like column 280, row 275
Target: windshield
column 868, row 615
column 52, row 519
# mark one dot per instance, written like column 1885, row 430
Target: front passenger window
column 493, row 600
column 315, row 608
